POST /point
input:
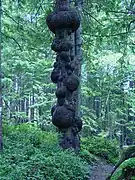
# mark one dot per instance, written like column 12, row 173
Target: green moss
column 129, row 163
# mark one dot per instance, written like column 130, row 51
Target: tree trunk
column 27, row 108
column 1, row 143
column 32, row 101
column 78, row 57
column 63, row 74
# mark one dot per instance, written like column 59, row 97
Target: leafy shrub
column 87, row 156
column 32, row 154
column 29, row 134
column 101, row 147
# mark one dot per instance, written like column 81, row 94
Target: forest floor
column 100, row 170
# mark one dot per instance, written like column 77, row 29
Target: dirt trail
column 100, row 170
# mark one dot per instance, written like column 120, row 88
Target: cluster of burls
column 62, row 23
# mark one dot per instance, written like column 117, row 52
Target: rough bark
column 78, row 55
column 63, row 22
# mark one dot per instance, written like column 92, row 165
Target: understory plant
column 30, row 153
column 101, row 147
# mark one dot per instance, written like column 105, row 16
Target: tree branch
column 89, row 14
column 9, row 16
column 13, row 40
column 118, row 34
column 120, row 12
column 40, row 6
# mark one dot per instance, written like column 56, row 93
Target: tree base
column 69, row 140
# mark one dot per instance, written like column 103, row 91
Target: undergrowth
column 101, row 147
column 32, row 154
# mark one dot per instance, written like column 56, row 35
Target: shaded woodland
column 103, row 70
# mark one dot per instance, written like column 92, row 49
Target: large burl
column 68, row 19
column 62, row 22
column 63, row 117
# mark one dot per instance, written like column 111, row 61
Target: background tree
column 1, row 143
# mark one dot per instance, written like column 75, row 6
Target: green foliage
column 87, row 156
column 89, row 121
column 26, row 133
column 30, row 153
column 126, row 165
column 108, row 59
column 101, row 147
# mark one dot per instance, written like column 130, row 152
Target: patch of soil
column 100, row 170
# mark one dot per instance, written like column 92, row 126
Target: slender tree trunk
column 78, row 57
column 16, row 89
column 97, row 106
column 32, row 101
column 1, row 143
column 12, row 101
column 27, row 108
